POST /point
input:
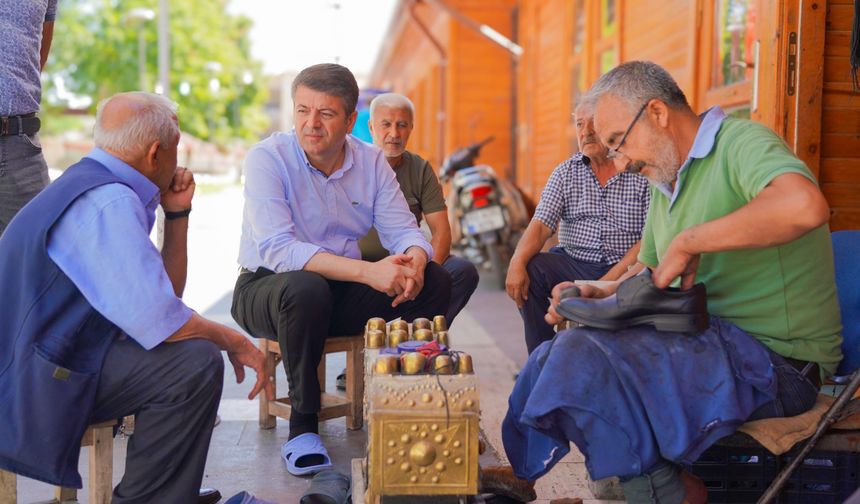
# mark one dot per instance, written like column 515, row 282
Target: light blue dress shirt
column 102, row 244
column 293, row 211
column 703, row 144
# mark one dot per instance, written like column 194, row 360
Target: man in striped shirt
column 599, row 214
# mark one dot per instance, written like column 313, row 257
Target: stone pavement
column 243, row 457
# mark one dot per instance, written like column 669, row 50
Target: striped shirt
column 598, row 224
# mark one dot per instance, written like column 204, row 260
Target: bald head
column 128, row 124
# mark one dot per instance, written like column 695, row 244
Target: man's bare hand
column 517, row 283
column 586, row 291
column 246, row 354
column 677, row 262
column 415, row 282
column 390, row 275
column 181, row 191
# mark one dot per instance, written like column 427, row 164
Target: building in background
column 780, row 62
column 461, row 83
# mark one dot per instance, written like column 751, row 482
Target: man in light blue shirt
column 91, row 296
column 310, row 195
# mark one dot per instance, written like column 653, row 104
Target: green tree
column 218, row 86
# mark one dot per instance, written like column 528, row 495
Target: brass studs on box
column 412, row 363
column 376, row 323
column 464, row 364
column 422, row 334
column 375, row 338
column 386, row 364
column 396, row 337
column 421, row 323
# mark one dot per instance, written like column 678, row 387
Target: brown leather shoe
column 208, row 496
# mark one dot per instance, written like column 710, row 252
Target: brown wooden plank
column 844, row 218
column 836, row 43
column 101, row 466
column 8, row 486
column 842, row 195
column 840, row 96
column 840, row 145
column 839, row 16
column 837, row 69
column 841, row 120
column 840, row 170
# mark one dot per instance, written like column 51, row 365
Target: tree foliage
column 218, row 86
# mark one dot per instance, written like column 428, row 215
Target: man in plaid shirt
column 599, row 214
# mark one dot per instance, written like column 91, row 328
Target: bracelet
column 177, row 215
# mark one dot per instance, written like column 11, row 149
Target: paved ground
column 243, row 457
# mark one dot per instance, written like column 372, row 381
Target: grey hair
column 392, row 100
column 637, row 82
column 154, row 120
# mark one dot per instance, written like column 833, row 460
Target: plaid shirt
column 598, row 224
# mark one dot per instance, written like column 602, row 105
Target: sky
column 293, row 34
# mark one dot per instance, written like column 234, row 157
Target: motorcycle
column 486, row 212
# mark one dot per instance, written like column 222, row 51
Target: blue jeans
column 464, row 281
column 23, row 173
column 546, row 270
column 796, row 394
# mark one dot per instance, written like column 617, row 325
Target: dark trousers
column 23, row 173
column 464, row 281
column 546, row 270
column 173, row 390
column 300, row 309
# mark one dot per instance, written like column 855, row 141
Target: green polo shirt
column 784, row 296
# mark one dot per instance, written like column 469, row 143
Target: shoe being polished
column 208, row 496
column 638, row 302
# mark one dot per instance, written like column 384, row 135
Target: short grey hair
column 154, row 120
column 392, row 100
column 636, row 83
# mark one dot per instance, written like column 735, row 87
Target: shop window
column 734, row 36
column 608, row 17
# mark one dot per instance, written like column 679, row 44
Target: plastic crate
column 741, row 474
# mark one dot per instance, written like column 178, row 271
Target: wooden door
column 762, row 59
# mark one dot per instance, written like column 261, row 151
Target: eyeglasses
column 614, row 151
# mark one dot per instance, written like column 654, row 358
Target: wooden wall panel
column 544, row 92
column 840, row 128
column 661, row 32
column 481, row 84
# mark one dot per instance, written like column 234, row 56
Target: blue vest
column 52, row 342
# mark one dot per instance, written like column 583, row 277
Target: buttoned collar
column 348, row 158
column 703, row 144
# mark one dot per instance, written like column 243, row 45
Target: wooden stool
column 99, row 438
column 332, row 406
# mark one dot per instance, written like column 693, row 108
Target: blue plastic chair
column 846, row 259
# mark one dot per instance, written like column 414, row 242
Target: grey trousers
column 173, row 390
column 23, row 173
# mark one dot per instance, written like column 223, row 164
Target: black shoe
column 638, row 302
column 340, row 381
column 208, row 496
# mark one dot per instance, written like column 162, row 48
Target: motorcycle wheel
column 498, row 255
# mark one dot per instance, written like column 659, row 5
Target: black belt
column 27, row 124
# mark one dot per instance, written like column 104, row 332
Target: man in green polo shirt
column 731, row 207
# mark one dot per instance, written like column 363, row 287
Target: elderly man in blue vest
column 92, row 327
